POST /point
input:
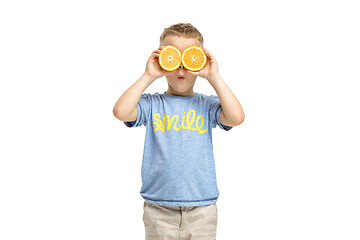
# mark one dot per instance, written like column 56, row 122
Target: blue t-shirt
column 178, row 167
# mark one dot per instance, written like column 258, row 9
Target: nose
column 181, row 69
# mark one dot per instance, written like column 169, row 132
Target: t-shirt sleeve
column 143, row 109
column 215, row 110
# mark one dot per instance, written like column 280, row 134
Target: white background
column 70, row 170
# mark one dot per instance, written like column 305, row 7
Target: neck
column 188, row 93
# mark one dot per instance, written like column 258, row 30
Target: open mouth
column 181, row 77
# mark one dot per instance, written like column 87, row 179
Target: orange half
column 170, row 58
column 193, row 58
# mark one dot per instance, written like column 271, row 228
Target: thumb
column 194, row 73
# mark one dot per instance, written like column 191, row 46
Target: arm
column 125, row 107
column 232, row 113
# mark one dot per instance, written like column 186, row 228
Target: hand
column 153, row 68
column 211, row 70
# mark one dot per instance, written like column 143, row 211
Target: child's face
column 180, row 81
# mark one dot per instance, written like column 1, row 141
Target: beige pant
column 180, row 223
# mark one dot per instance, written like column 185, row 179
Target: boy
column 178, row 169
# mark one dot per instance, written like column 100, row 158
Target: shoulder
column 151, row 96
column 209, row 99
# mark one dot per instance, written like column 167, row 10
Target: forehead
column 181, row 42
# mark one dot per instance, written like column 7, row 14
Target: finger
column 208, row 54
column 155, row 55
column 206, row 51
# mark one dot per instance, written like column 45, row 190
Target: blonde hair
column 182, row 30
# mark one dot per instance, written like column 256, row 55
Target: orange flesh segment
column 194, row 58
column 169, row 58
